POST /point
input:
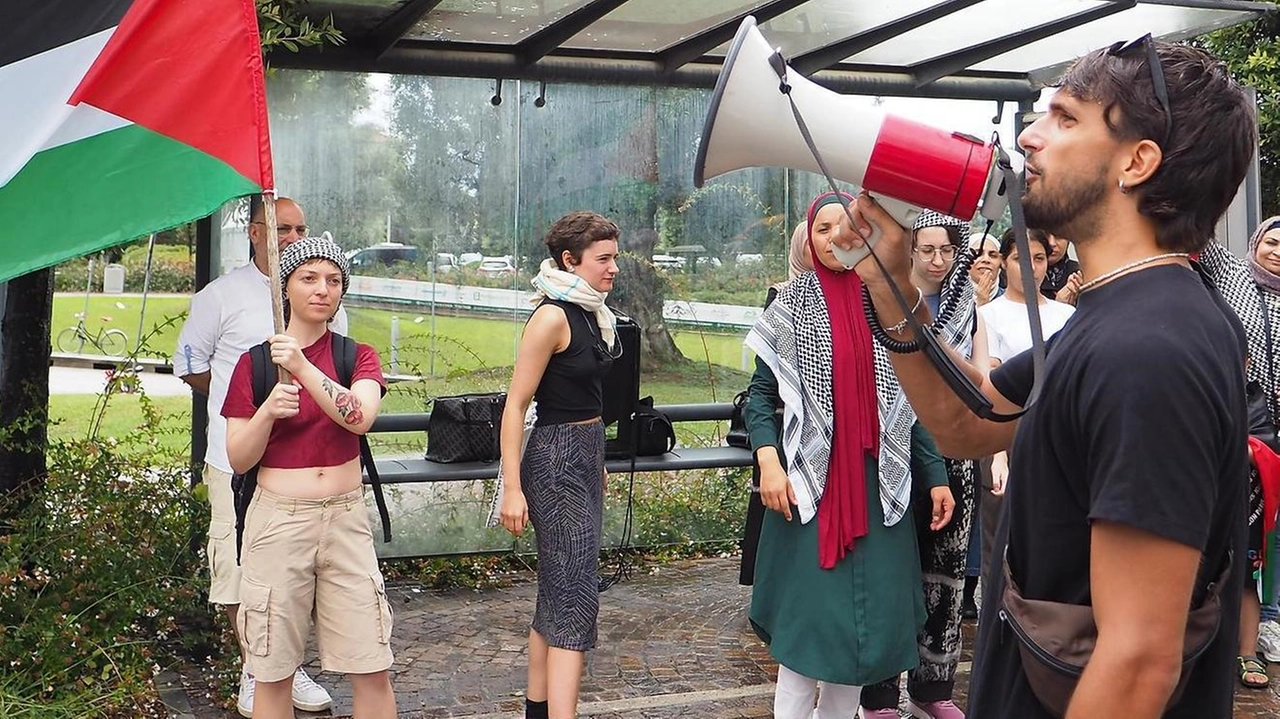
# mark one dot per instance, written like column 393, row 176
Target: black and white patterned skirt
column 561, row 476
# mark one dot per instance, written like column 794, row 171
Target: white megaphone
column 906, row 165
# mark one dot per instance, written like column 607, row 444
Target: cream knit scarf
column 554, row 283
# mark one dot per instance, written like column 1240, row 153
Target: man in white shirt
column 1008, row 334
column 227, row 317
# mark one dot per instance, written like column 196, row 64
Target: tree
column 28, row 306
column 1252, row 51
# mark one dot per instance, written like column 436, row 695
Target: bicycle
column 109, row 342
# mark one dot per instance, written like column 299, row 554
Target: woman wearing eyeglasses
column 557, row 481
column 943, row 554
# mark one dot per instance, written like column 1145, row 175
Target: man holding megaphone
column 1127, row 507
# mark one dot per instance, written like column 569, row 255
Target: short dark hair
column 1007, row 240
column 955, row 235
column 575, row 232
column 1208, row 150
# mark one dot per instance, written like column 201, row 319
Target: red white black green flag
column 122, row 118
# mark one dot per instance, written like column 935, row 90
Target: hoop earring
column 1123, row 189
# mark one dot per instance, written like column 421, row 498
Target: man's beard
column 1068, row 211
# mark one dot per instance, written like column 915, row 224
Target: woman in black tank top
column 553, row 475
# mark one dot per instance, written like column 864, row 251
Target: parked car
column 749, row 258
column 497, row 267
column 383, row 253
column 446, row 262
column 668, row 262
column 470, row 258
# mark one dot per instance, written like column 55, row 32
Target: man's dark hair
column 954, row 234
column 1208, row 150
column 576, row 232
column 1007, row 240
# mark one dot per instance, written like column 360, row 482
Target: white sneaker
column 1269, row 640
column 244, row 700
column 307, row 695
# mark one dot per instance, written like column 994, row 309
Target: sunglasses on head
column 1147, row 45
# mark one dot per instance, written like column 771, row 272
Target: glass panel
column 444, row 199
column 821, row 22
column 651, row 25
column 491, row 21
column 355, row 18
column 973, row 25
column 1170, row 23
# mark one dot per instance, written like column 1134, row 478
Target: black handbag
column 466, row 428
column 654, row 432
column 738, row 435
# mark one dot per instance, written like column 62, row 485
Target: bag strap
column 1213, row 590
column 344, row 361
column 261, row 377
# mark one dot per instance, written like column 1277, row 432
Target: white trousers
column 795, row 695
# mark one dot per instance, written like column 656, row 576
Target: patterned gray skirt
column 561, row 476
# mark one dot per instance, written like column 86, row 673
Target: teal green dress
column 857, row 622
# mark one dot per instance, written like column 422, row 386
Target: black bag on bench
column 263, row 379
column 466, row 428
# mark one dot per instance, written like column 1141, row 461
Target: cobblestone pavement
column 673, row 643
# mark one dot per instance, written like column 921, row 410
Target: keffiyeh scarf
column 896, row 413
column 815, row 341
column 1233, row 278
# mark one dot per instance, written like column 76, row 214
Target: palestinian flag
column 122, row 118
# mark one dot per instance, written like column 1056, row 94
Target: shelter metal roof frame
column 956, row 49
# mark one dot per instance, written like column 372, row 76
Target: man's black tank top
column 571, row 389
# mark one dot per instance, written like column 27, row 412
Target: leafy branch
column 282, row 24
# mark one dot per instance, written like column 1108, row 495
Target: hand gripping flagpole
column 273, row 269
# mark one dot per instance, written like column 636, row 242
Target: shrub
column 172, row 270
column 97, row 570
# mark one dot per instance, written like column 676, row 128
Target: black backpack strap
column 264, row 374
column 262, row 378
column 344, row 360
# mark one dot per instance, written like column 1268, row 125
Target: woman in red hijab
column 837, row 594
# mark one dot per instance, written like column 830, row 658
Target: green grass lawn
column 461, row 344
column 463, row 354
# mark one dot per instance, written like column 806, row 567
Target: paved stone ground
column 673, row 643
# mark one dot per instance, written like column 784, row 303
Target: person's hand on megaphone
column 892, row 243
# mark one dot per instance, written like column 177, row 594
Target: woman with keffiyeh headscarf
column 837, row 593
column 1252, row 287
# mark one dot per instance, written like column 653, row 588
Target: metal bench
column 407, row 471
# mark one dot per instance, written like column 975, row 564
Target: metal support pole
column 199, row 403
column 4, row 299
column 395, row 344
column 146, row 287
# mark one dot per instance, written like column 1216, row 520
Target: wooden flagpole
column 273, row 269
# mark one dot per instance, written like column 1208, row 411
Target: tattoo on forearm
column 345, row 400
